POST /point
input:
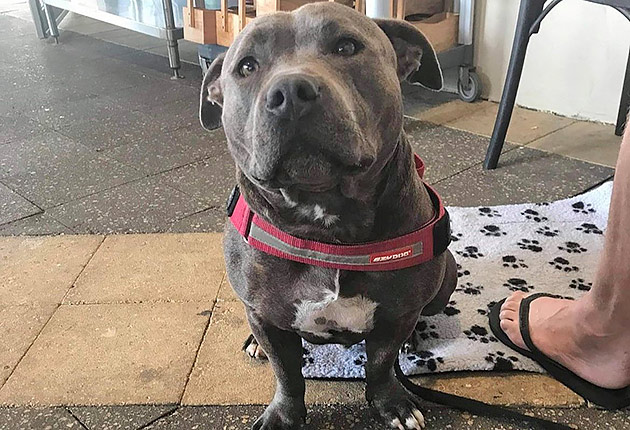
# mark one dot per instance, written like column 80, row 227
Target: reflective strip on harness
column 404, row 251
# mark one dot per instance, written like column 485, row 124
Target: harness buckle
column 232, row 200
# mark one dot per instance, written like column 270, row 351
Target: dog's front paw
column 398, row 408
column 251, row 347
column 285, row 414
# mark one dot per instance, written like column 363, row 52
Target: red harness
column 412, row 249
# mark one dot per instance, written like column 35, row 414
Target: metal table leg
column 625, row 102
column 52, row 22
column 173, row 48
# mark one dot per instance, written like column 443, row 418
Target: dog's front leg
column 284, row 350
column 397, row 407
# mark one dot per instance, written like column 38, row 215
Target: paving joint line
column 203, row 338
column 85, row 427
column 162, row 416
column 58, row 305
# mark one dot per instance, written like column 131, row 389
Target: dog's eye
column 346, row 47
column 247, row 66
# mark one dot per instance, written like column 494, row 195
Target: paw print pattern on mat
column 563, row 264
column 500, row 361
column 455, row 237
column 489, row 212
column 425, row 359
column 572, row 248
column 588, row 228
column 426, row 331
column 533, row 215
column 479, row 334
column 530, row 245
column 470, row 289
column 492, row 230
column 518, row 284
column 360, row 360
column 513, row 262
column 548, row 231
column 486, row 311
column 580, row 284
column 583, row 208
column 306, row 357
column 470, row 252
column 450, row 309
column 461, row 272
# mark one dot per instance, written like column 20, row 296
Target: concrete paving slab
column 172, row 150
column 360, row 417
column 525, row 127
column 70, row 179
column 148, row 97
column 120, row 417
column 152, row 268
column 212, row 219
column 15, row 127
column 41, row 270
column 523, row 175
column 210, row 180
column 13, row 206
column 129, row 38
column 84, row 25
column 451, row 111
column 417, row 99
column 143, row 206
column 38, row 419
column 40, row 224
column 583, row 140
column 110, row 354
column 446, row 151
column 19, row 326
column 38, row 153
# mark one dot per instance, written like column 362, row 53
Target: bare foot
column 575, row 337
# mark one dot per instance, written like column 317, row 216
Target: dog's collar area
column 411, row 249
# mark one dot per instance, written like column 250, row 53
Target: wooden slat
column 191, row 13
column 242, row 10
column 400, row 9
column 224, row 14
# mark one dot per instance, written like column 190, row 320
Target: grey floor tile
column 446, row 151
column 144, row 206
column 13, row 206
column 119, row 417
column 212, row 219
column 209, row 180
column 360, row 417
column 40, row 224
column 13, row 27
column 150, row 96
column 14, row 126
column 84, row 25
column 523, row 175
column 94, row 109
column 178, row 114
column 417, row 99
column 168, row 151
column 71, row 178
column 129, row 38
column 37, row 419
column 38, row 153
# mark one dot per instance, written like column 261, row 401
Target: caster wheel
column 471, row 90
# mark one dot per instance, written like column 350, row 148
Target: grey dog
column 311, row 105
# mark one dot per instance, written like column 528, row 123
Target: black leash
column 469, row 405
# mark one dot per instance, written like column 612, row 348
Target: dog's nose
column 292, row 97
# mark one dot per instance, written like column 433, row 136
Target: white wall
column 575, row 65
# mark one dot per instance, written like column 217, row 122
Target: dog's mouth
column 312, row 170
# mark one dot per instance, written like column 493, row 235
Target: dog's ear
column 417, row 61
column 211, row 98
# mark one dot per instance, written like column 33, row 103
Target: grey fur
column 347, row 154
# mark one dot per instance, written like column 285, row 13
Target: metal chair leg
column 624, row 105
column 529, row 11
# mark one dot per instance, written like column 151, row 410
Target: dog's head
column 310, row 99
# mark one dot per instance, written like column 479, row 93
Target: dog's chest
column 335, row 313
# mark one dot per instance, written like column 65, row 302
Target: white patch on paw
column 419, row 417
column 396, row 424
column 355, row 314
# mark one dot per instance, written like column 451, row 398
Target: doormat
column 542, row 247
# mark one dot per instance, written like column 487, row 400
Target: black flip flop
column 606, row 398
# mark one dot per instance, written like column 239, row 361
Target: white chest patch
column 355, row 314
column 317, row 213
